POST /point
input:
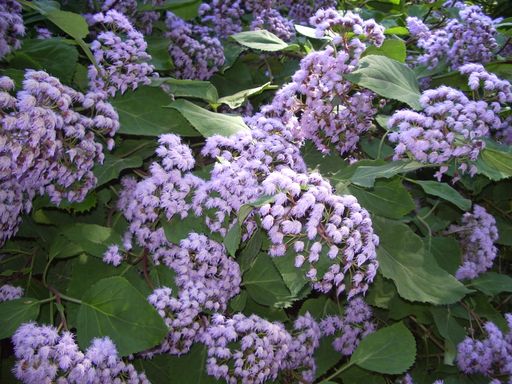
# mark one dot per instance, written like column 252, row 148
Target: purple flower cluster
column 306, row 336
column 224, row 16
column 318, row 104
column 113, row 256
column 44, row 356
column 477, row 234
column 11, row 26
column 407, row 379
column 43, row 33
column 351, row 328
column 450, row 128
column 120, row 52
column 301, row 10
column 491, row 356
column 9, row 292
column 48, row 143
column 331, row 235
column 271, row 20
column 163, row 194
column 244, row 349
column 470, row 38
column 207, row 279
column 195, row 53
column 246, row 159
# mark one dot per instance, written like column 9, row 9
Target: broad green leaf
column 492, row 283
column 417, row 276
column 13, row 313
column 452, row 332
column 158, row 48
column 319, row 307
column 356, row 375
column 252, row 248
column 400, row 31
column 55, row 56
column 191, row 367
column 264, row 283
column 388, row 78
column 142, row 112
column 186, row 9
column 309, row 32
column 178, row 229
column 157, row 369
column 233, row 238
column 381, row 292
column 261, row 39
column 112, row 167
column 494, row 163
column 268, row 313
column 71, row 23
column 484, row 308
column 237, row 303
column 446, row 251
column 387, row 198
column 92, row 238
column 237, row 99
column 294, row 278
column 365, row 175
column 209, row 123
column 113, row 307
column 444, row 191
column 189, row 88
column 85, row 205
column 392, row 48
column 390, row 350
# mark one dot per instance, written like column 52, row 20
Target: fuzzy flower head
column 477, row 234
column 9, row 292
column 120, row 52
column 224, row 16
column 245, row 349
column 330, row 236
column 11, row 26
column 272, row 21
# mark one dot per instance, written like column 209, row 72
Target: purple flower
column 9, row 292
column 11, row 26
column 224, row 16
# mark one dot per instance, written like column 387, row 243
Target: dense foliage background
column 255, row 191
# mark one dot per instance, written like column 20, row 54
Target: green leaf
column 142, row 112
column 365, row 175
column 237, row 99
column 233, row 238
column 158, row 48
column 309, row 32
column 495, row 163
column 113, row 307
column 390, row 350
column 264, row 283
column 400, row 31
column 387, row 198
column 452, row 332
column 92, row 238
column 178, row 229
column 189, row 88
column 388, row 78
column 492, row 283
column 71, row 23
column 319, row 307
column 112, row 167
column 416, row 274
column 392, row 48
column 186, row 9
column 191, row 368
column 444, row 191
column 209, row 123
column 55, row 56
column 157, row 369
column 446, row 251
column 260, row 39
column 294, row 278
column 251, row 250
column 13, row 313
column 356, row 375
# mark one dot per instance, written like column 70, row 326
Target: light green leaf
column 400, row 31
column 142, row 112
column 387, row 198
column 495, row 163
column 237, row 99
column 13, row 313
column 388, row 78
column 112, row 166
column 392, row 48
column 209, row 123
column 365, row 175
column 189, row 88
column 71, row 23
column 260, row 39
column 309, row 32
column 444, row 191
column 92, row 238
column 492, row 283
column 113, row 307
column 390, row 350
column 417, row 276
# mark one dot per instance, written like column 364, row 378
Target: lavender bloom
column 11, row 26
column 352, row 327
column 113, row 256
column 274, row 22
column 196, row 55
column 450, row 128
column 43, row 33
column 47, row 146
column 163, row 194
column 477, row 234
column 491, row 356
column 306, row 336
column 245, row 349
column 44, row 356
column 300, row 11
column 330, row 234
column 469, row 39
column 224, row 16
column 9, row 292
column 120, row 52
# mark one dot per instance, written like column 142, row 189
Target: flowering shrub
column 255, row 192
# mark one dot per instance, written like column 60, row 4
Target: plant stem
column 337, row 372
